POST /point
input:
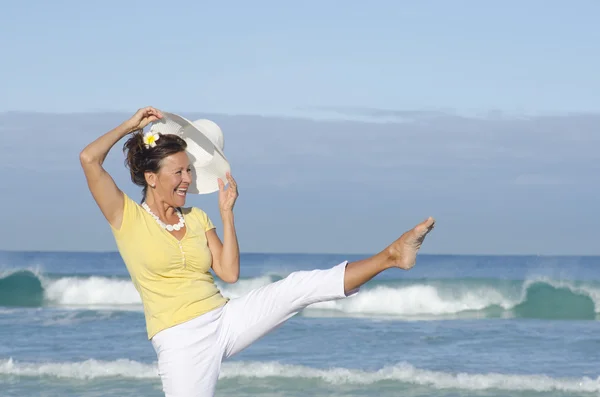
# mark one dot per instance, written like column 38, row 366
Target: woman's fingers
column 231, row 180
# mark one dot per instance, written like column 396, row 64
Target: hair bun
column 140, row 159
column 135, row 159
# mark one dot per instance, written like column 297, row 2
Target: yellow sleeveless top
column 172, row 277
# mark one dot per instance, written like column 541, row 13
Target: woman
column 169, row 250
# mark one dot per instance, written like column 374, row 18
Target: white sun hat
column 205, row 144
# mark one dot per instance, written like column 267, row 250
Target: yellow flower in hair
column 150, row 139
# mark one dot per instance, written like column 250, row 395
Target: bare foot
column 403, row 252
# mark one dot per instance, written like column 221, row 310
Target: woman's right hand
column 142, row 118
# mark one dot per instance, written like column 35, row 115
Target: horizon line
column 312, row 253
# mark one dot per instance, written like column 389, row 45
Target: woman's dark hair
column 140, row 159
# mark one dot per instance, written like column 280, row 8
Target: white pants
column 190, row 354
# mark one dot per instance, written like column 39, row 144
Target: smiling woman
column 169, row 251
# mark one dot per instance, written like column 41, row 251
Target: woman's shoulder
column 132, row 214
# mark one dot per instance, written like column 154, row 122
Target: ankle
column 389, row 258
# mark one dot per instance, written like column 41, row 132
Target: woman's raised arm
column 102, row 186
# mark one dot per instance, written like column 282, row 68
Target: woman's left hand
column 227, row 197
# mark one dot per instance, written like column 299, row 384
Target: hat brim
column 207, row 160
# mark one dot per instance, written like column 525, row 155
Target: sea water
column 71, row 324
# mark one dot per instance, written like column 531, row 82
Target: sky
column 345, row 122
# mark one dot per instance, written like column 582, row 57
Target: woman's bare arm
column 102, row 186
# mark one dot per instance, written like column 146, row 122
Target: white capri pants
column 190, row 354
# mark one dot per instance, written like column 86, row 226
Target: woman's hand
column 227, row 197
column 142, row 118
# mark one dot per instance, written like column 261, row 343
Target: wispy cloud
column 406, row 115
column 317, row 172
column 309, row 150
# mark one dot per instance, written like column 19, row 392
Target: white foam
column 428, row 300
column 414, row 300
column 89, row 369
column 402, row 373
column 91, row 291
column 6, row 272
column 406, row 373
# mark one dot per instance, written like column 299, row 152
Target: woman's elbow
column 231, row 277
column 86, row 158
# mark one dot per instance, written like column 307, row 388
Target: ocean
column 71, row 325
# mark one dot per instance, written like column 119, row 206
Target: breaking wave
column 536, row 298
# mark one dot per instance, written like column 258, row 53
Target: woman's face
column 173, row 179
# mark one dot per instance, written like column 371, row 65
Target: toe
column 428, row 223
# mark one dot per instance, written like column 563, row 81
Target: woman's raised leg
column 249, row 317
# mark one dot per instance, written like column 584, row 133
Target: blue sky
column 273, row 56
column 374, row 114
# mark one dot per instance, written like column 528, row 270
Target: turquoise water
column 72, row 325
